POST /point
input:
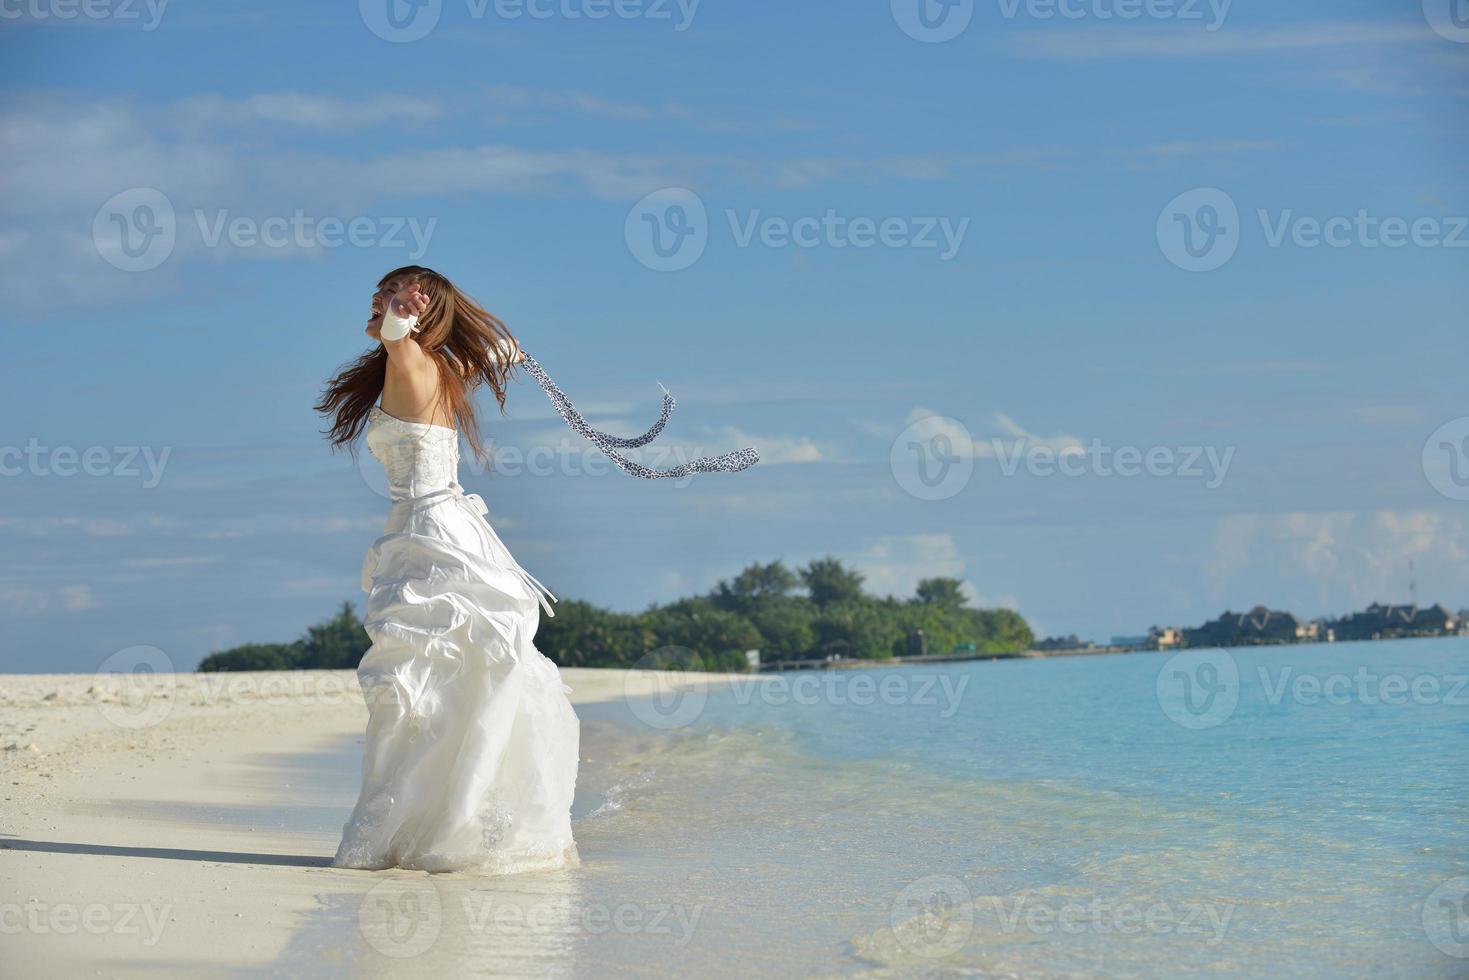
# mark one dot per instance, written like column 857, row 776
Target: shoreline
column 777, row 666
column 143, row 830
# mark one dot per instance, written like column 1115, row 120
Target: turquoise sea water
column 1293, row 811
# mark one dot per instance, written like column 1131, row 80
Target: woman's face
column 385, row 292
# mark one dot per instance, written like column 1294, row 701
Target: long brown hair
column 461, row 337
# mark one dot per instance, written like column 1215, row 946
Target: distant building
column 1165, row 638
column 1260, row 626
column 1380, row 622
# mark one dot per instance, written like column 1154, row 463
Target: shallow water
column 1132, row 815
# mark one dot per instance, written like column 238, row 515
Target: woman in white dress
column 472, row 746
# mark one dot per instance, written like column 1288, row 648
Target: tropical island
column 767, row 615
column 1262, row 626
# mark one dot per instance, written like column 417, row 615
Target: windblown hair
column 462, row 338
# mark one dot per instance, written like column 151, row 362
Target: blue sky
column 1074, row 161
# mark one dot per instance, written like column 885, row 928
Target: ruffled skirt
column 471, row 753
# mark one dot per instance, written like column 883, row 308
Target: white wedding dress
column 472, row 745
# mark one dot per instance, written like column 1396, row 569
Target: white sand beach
column 126, row 847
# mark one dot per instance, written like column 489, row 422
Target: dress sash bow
column 474, row 505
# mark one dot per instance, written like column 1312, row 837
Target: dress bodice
column 419, row 457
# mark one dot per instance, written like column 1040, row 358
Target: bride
column 471, row 756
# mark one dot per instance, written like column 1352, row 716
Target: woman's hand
column 408, row 301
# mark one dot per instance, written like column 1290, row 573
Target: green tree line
column 809, row 613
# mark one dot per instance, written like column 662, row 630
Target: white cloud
column 895, row 564
column 1103, row 44
column 1003, row 436
column 31, row 602
column 773, row 449
column 98, row 527
column 1012, row 437
column 667, row 451
column 305, row 111
column 1344, row 559
column 1181, row 148
column 172, row 562
column 507, row 100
